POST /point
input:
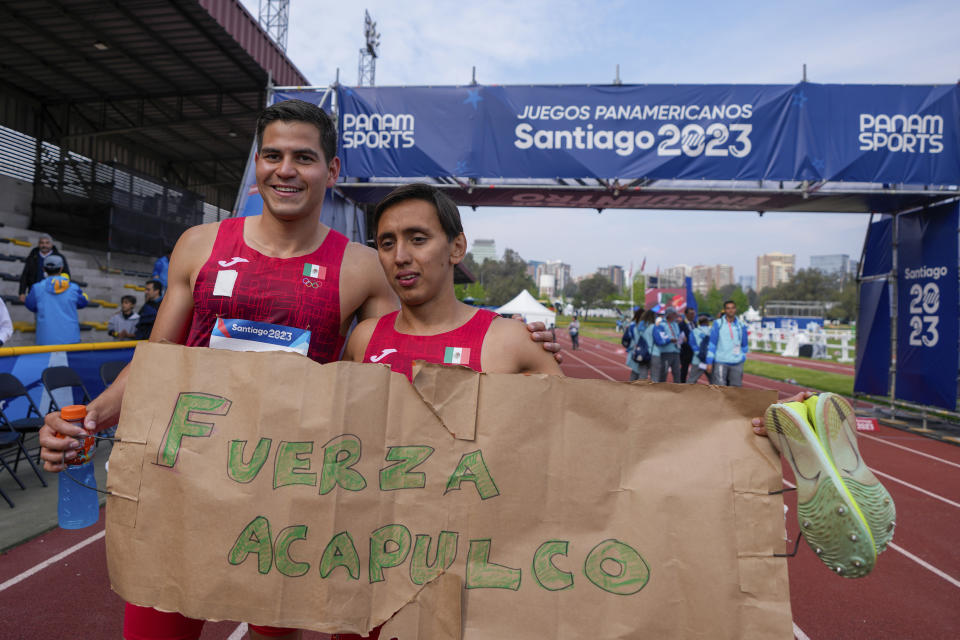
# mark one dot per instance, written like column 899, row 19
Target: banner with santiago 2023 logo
column 860, row 133
column 927, row 305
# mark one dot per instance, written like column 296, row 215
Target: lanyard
column 672, row 333
column 730, row 327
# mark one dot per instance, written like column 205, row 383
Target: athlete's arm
column 359, row 339
column 173, row 320
column 507, row 348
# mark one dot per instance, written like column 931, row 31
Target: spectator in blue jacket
column 638, row 330
column 55, row 300
column 699, row 334
column 667, row 338
column 728, row 348
column 160, row 268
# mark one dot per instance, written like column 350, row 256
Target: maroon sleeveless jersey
column 242, row 283
column 461, row 346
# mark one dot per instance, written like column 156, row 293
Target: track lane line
column 926, row 565
column 798, row 633
column 587, row 364
column 900, row 446
column 920, row 561
column 239, row 633
column 916, row 488
column 46, row 563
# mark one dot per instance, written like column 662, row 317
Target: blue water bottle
column 79, row 505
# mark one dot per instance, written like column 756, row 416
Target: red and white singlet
column 461, row 346
column 303, row 292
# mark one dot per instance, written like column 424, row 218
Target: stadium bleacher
column 104, row 286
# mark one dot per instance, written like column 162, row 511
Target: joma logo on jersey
column 900, row 133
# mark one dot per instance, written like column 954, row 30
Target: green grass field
column 819, row 380
column 599, row 328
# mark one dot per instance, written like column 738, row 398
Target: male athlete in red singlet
column 283, row 268
column 419, row 241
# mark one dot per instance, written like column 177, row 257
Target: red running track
column 914, row 592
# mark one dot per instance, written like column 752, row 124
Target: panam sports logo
column 378, row 130
column 900, row 133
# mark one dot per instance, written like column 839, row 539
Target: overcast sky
column 566, row 42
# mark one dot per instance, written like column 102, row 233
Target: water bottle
column 79, row 506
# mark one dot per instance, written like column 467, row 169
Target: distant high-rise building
column 837, row 264
column 674, row 276
column 853, row 268
column 747, row 282
column 706, row 277
column 614, row 273
column 533, row 267
column 774, row 268
column 547, row 285
column 559, row 270
column 484, row 250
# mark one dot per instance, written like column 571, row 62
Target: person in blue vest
column 160, row 268
column 642, row 320
column 728, row 348
column 699, row 344
column 55, row 300
column 667, row 339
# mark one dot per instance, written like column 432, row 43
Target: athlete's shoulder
column 508, row 348
column 202, row 234
column 359, row 253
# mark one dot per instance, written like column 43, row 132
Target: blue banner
column 878, row 252
column 927, row 306
column 879, row 134
column 873, row 339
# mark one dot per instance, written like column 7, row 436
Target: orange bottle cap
column 74, row 412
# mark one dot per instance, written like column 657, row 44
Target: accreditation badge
column 247, row 335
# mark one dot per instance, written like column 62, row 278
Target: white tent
column 751, row 315
column 531, row 310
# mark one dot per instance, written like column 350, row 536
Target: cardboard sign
column 866, row 424
column 263, row 487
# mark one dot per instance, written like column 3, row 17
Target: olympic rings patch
column 311, row 283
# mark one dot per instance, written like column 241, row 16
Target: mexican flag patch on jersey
column 456, row 355
column 314, row 271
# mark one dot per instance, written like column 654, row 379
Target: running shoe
column 830, row 519
column 836, row 425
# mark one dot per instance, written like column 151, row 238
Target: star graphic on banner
column 818, row 164
column 461, row 168
column 473, row 97
column 348, row 91
column 800, row 99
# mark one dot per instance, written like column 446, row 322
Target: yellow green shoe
column 830, row 520
column 836, row 426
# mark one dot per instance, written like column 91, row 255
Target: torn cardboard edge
column 452, row 396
